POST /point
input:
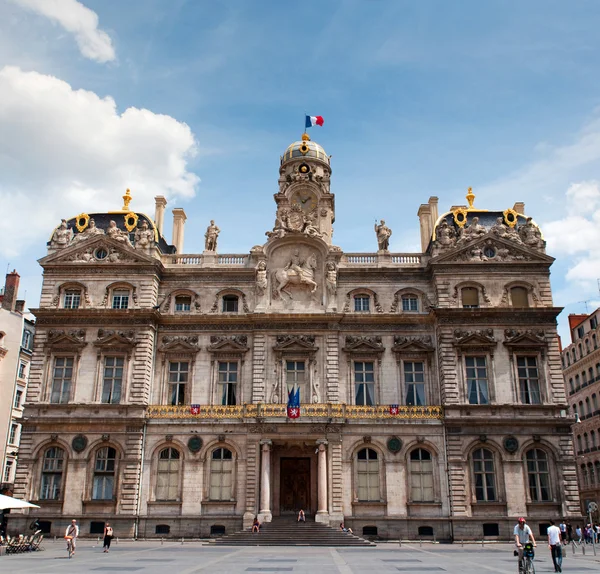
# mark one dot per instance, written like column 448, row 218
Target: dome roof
column 305, row 149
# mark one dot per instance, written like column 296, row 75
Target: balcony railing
column 383, row 259
column 264, row 410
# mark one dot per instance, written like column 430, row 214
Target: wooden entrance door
column 294, row 484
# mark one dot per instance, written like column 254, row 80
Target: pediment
column 412, row 347
column 296, row 343
column 524, row 339
column 87, row 251
column 471, row 339
column 59, row 339
column 115, row 339
column 233, row 344
column 179, row 344
column 366, row 345
column 492, row 249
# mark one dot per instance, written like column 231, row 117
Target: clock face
column 306, row 200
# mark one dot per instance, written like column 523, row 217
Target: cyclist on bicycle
column 72, row 533
column 523, row 535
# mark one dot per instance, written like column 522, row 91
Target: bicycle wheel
column 529, row 567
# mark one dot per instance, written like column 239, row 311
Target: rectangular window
column 183, row 303
column 410, row 303
column 72, row 299
column 361, row 303
column 112, row 381
column 18, row 399
column 14, row 434
column 228, row 376
column 8, row 471
column 26, row 341
column 593, row 322
column 529, row 382
column 178, row 378
column 22, row 370
column 477, row 380
column 580, row 332
column 414, row 383
column 364, row 382
column 230, row 304
column 295, row 374
column 120, row 299
column 62, row 379
column 470, row 297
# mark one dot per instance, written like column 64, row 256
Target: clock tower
column 304, row 202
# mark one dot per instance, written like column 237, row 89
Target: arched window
column 577, row 383
column 104, row 474
column 588, row 407
column 367, row 466
column 230, row 303
column 72, row 299
column 183, row 303
column 52, row 474
column 167, row 474
column 470, row 297
column 580, row 350
column 518, row 297
column 221, row 474
column 421, row 476
column 584, row 475
column 579, row 443
column 410, row 303
column 586, row 441
column 593, row 438
column 538, row 475
column 592, row 476
column 571, row 385
column 362, row 303
column 594, row 340
column 583, row 379
column 591, row 375
column 485, row 477
column 568, row 359
column 587, row 346
column 597, row 469
column 594, row 403
column 574, row 355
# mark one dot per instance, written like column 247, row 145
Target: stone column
column 179, row 218
column 322, row 512
column 264, row 514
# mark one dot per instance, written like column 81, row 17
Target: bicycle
column 70, row 548
column 526, row 564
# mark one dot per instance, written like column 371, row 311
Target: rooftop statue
column 211, row 236
column 472, row 232
column 62, row 236
column 144, row 237
column 117, row 234
column 531, row 235
column 90, row 231
column 505, row 231
column 383, row 236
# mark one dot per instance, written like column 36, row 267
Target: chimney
column 433, row 206
column 424, row 214
column 519, row 207
column 178, row 223
column 11, row 289
column 160, row 203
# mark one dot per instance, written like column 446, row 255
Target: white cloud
column 64, row 151
column 76, row 18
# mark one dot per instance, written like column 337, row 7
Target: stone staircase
column 285, row 531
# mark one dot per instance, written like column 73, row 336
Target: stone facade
column 581, row 364
column 432, row 399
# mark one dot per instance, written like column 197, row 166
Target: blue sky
column 201, row 99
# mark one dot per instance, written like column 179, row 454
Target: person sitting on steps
column 301, row 517
column 344, row 529
column 256, row 525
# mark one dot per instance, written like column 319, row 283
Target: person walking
column 563, row 532
column 555, row 545
column 578, row 534
column 108, row 536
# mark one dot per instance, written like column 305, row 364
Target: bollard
column 55, row 539
column 400, row 542
column 182, row 540
column 420, row 542
column 583, row 549
column 482, row 542
column 573, row 546
column 462, row 543
column 117, row 539
column 434, row 539
column 162, row 540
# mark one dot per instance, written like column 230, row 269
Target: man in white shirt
column 73, row 531
column 523, row 535
column 555, row 546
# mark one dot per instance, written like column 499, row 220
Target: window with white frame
column 295, row 374
column 484, row 474
column 7, row 477
column 120, row 299
column 62, row 380
column 13, row 435
column 52, row 474
column 72, row 299
column 183, row 303
column 421, row 476
column 367, row 470
column 529, row 381
column 104, row 474
column 538, row 475
column 221, row 474
column 362, row 303
column 477, row 380
column 178, row 379
column 364, row 382
column 112, row 380
column 414, row 383
column 22, row 370
column 227, row 384
column 410, row 303
column 19, row 398
column 26, row 340
column 167, row 474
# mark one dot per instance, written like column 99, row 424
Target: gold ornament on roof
column 131, row 220
column 470, row 198
column 460, row 216
column 305, row 137
column 510, row 217
column 126, row 200
column 82, row 221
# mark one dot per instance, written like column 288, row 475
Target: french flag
column 314, row 121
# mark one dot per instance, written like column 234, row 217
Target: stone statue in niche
column 90, row 231
column 210, row 237
column 383, row 233
column 62, row 236
column 261, row 277
column 331, row 279
column 531, row 235
column 296, row 272
column 117, row 234
column 144, row 237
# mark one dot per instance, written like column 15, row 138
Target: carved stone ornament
column 531, row 235
column 62, row 236
column 105, row 437
column 262, row 428
column 215, row 307
column 194, row 444
column 425, row 302
column 349, row 295
column 144, row 237
column 77, row 335
column 357, row 341
column 261, row 278
column 124, row 336
column 308, row 340
column 367, row 439
column 298, row 273
column 512, row 335
column 422, row 339
column 511, row 444
column 325, row 429
column 394, row 444
column 294, row 221
column 486, row 335
column 169, row 438
column 79, row 443
column 241, row 340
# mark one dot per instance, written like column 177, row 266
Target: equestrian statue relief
column 296, row 272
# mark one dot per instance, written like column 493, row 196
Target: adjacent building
column 581, row 364
column 431, row 394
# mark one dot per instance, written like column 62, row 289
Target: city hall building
column 432, row 401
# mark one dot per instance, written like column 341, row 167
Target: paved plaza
column 192, row 557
